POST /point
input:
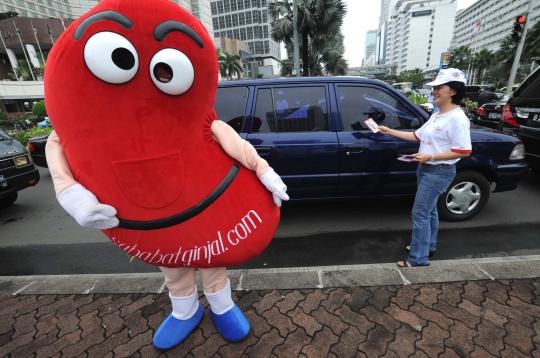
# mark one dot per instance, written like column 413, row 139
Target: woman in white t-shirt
column 444, row 140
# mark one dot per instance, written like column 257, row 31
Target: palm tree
column 229, row 65
column 318, row 21
column 505, row 54
column 333, row 50
column 531, row 49
column 482, row 60
column 23, row 71
column 460, row 57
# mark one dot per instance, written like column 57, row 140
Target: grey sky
column 362, row 16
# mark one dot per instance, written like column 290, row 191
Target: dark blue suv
column 312, row 131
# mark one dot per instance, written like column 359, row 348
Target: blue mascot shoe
column 232, row 325
column 174, row 331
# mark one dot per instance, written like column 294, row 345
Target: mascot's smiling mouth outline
column 186, row 214
column 159, row 34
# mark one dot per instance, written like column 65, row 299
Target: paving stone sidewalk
column 460, row 319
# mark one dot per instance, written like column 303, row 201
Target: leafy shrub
column 23, row 137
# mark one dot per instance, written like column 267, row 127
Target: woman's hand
column 384, row 129
column 422, row 157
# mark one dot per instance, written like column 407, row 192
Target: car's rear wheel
column 466, row 196
column 8, row 200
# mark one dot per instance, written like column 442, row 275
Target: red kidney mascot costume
column 139, row 153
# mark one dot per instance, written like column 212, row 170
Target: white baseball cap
column 448, row 75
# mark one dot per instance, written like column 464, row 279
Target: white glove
column 86, row 209
column 275, row 185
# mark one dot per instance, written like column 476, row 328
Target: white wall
column 418, row 42
column 442, row 32
column 23, row 89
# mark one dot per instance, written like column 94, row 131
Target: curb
column 493, row 268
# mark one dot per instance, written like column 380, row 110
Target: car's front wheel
column 466, row 196
column 8, row 200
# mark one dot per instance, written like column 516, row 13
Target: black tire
column 8, row 200
column 475, row 189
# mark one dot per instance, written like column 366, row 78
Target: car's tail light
column 508, row 117
column 481, row 111
column 31, row 147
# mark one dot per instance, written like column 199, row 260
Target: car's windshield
column 4, row 136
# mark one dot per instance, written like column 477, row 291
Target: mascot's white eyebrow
column 103, row 15
column 165, row 27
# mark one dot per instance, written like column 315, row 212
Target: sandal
column 431, row 253
column 405, row 264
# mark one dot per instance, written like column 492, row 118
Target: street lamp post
column 296, row 47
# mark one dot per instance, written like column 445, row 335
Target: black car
column 17, row 170
column 490, row 114
column 521, row 116
column 36, row 147
column 473, row 91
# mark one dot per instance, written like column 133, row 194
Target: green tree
column 332, row 55
column 482, row 61
column 319, row 21
column 415, row 76
column 460, row 57
column 229, row 65
column 23, row 71
column 531, row 48
column 504, row 57
column 39, row 109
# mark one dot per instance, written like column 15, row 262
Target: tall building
column 380, row 49
column 419, row 32
column 68, row 9
column 248, row 21
column 370, row 48
column 385, row 9
column 201, row 10
column 485, row 23
column 71, row 9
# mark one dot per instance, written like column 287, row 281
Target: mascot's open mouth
column 186, row 214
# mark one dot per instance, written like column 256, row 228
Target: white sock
column 184, row 307
column 220, row 301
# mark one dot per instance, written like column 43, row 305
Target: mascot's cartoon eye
column 171, row 71
column 111, row 57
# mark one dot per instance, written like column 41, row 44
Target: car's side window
column 265, row 119
column 291, row 109
column 230, row 105
column 360, row 103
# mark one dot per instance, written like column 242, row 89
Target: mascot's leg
column 229, row 321
column 187, row 312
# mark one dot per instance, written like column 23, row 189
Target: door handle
column 263, row 150
column 354, row 149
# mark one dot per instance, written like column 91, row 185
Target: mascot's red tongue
column 130, row 89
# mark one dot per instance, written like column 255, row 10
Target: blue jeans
column 432, row 181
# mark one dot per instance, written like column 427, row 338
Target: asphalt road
column 38, row 237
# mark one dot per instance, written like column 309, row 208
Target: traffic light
column 519, row 24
